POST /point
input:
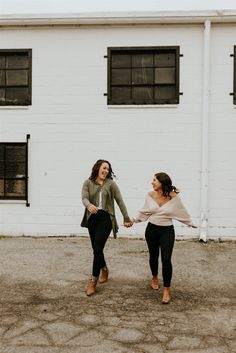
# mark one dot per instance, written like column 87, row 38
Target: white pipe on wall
column 205, row 131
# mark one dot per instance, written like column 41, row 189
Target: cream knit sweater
column 163, row 215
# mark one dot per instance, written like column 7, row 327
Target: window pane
column 15, row 152
column 2, row 61
column 1, row 152
column 2, row 78
column 15, row 170
column 2, row 95
column 17, row 62
column 15, row 188
column 1, row 187
column 143, row 60
column 1, row 166
column 165, row 75
column 1, row 170
column 1, row 161
column 16, row 95
column 142, row 94
column 165, row 92
column 15, row 161
column 17, row 77
column 121, row 60
column 121, row 76
column 120, row 94
column 164, row 60
column 142, row 76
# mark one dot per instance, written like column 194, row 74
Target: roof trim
column 118, row 18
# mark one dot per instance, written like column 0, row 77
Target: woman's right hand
column 92, row 209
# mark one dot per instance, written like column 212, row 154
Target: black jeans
column 99, row 226
column 160, row 237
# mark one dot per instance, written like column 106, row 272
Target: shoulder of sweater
column 110, row 182
column 178, row 200
column 90, row 183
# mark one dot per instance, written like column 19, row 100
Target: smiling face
column 103, row 171
column 156, row 184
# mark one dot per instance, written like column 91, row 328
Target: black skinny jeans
column 99, row 227
column 160, row 237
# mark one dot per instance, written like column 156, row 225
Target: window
column 143, row 75
column 14, row 170
column 15, row 77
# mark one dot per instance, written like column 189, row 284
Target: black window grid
column 4, row 195
column 143, row 50
column 18, row 101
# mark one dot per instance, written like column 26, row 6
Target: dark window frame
column 18, row 101
column 23, row 178
column 234, row 77
column 144, row 50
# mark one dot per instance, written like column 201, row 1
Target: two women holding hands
column 161, row 206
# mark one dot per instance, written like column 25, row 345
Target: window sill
column 14, row 107
column 148, row 106
column 21, row 202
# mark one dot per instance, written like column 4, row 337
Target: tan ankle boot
column 104, row 275
column 91, row 287
column 154, row 282
column 166, row 295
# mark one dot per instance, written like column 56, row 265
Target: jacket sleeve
column 85, row 194
column 120, row 202
column 182, row 215
column 144, row 213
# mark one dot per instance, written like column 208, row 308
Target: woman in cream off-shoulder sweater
column 161, row 206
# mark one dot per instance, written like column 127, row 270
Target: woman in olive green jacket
column 98, row 195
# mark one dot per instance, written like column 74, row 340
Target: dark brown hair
column 96, row 167
column 166, row 184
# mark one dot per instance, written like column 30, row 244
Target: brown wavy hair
column 96, row 167
column 166, row 184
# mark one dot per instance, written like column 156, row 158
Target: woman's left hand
column 128, row 224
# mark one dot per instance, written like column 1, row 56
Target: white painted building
column 63, row 108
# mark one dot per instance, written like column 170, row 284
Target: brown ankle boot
column 166, row 295
column 154, row 282
column 91, row 287
column 104, row 275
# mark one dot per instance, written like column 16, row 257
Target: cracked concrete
column 44, row 308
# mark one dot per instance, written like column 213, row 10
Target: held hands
column 128, row 224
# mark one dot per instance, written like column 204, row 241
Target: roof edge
column 116, row 18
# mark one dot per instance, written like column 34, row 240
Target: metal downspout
column 205, row 132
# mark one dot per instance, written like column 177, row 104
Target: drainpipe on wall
column 205, row 132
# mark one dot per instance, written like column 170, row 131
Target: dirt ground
column 44, row 307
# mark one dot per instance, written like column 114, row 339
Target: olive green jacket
column 110, row 192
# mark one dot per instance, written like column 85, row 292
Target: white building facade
column 70, row 115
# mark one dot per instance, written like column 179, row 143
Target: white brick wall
column 71, row 127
